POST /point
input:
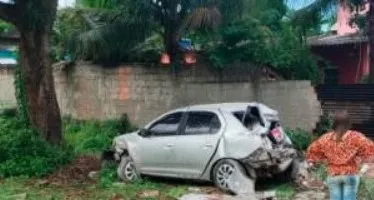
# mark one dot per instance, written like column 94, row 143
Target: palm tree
column 319, row 7
column 170, row 18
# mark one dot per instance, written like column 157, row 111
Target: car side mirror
column 143, row 132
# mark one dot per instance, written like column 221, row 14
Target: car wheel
column 222, row 172
column 126, row 170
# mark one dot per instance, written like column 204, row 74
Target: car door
column 157, row 148
column 197, row 142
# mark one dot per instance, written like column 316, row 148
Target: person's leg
column 350, row 187
column 335, row 187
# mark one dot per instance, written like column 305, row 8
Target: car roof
column 233, row 107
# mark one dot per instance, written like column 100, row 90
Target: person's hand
column 364, row 169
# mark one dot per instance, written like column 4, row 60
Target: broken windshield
column 250, row 118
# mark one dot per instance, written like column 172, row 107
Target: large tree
column 323, row 7
column 34, row 20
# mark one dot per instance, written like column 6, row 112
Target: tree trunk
column 34, row 20
column 42, row 104
column 171, row 37
column 171, row 43
column 371, row 40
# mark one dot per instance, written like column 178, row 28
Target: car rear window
column 249, row 118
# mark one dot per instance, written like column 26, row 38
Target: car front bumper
column 108, row 155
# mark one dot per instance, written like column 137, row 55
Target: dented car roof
column 234, row 107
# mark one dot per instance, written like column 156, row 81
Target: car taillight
column 277, row 134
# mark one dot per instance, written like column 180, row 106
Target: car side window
column 167, row 126
column 202, row 123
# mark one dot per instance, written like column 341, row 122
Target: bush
column 23, row 152
column 301, row 139
column 324, row 125
column 108, row 175
column 93, row 136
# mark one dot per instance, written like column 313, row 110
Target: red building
column 345, row 50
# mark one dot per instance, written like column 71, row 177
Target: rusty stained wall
column 92, row 92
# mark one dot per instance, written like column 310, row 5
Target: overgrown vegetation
column 93, row 136
column 264, row 43
column 301, row 139
column 227, row 32
column 23, row 152
column 324, row 125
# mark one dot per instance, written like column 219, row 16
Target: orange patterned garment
column 342, row 157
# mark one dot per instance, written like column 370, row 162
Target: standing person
column 342, row 150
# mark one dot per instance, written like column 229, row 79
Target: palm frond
column 203, row 18
column 313, row 14
column 110, row 43
column 101, row 4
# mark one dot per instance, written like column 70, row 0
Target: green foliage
column 69, row 22
column 324, row 125
column 320, row 172
column 107, row 4
column 301, row 139
column 273, row 44
column 20, row 87
column 6, row 28
column 23, row 152
column 108, row 175
column 93, row 136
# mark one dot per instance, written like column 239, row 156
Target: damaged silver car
column 204, row 142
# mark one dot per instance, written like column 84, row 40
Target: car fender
column 236, row 147
column 127, row 143
column 239, row 145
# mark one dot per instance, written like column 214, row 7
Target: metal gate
column 357, row 99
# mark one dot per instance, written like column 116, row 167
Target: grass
column 93, row 136
column 366, row 191
column 16, row 186
column 128, row 191
column 87, row 137
column 284, row 191
column 6, row 105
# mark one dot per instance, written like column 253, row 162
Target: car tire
column 126, row 170
column 222, row 171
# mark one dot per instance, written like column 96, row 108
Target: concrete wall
column 7, row 92
column 92, row 92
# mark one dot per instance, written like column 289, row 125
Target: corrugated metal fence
column 357, row 99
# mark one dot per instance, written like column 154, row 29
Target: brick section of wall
column 92, row 92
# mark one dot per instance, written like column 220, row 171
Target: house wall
column 344, row 14
column 92, row 92
column 352, row 60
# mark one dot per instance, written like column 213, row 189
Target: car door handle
column 208, row 146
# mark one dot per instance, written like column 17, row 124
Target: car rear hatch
column 264, row 122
